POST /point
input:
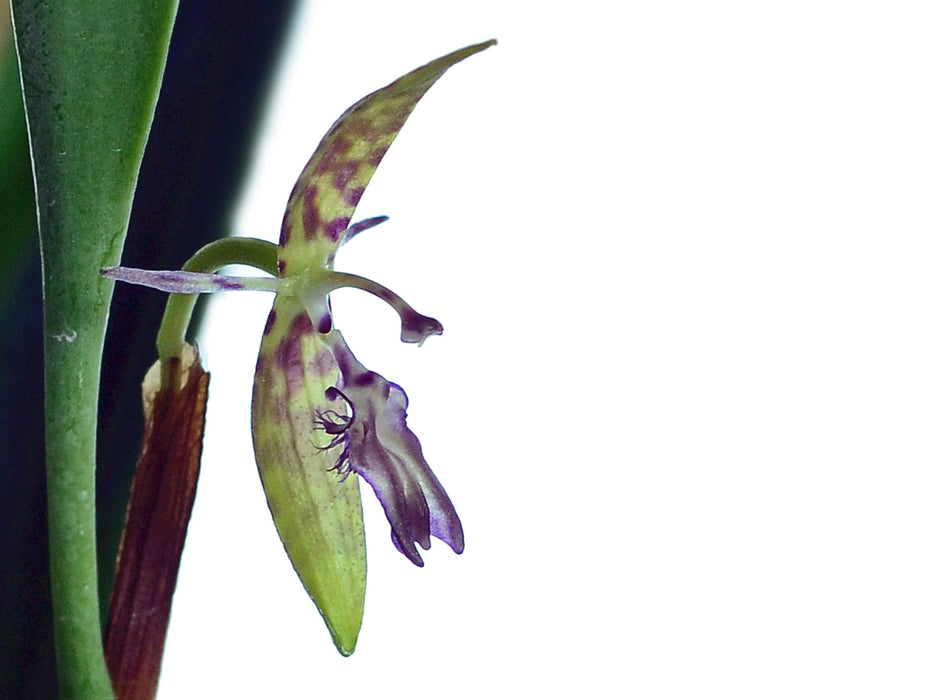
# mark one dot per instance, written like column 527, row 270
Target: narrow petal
column 416, row 328
column 184, row 282
column 317, row 512
column 361, row 226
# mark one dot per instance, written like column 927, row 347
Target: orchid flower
column 320, row 419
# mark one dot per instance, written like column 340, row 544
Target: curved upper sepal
column 330, row 186
column 317, row 513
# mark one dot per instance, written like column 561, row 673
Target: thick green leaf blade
column 90, row 75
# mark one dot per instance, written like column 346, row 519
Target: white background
column 684, row 399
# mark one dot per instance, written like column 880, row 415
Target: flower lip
column 377, row 444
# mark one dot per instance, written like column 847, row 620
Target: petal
column 317, row 513
column 330, row 186
column 187, row 282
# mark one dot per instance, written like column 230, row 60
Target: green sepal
column 318, row 513
column 330, row 185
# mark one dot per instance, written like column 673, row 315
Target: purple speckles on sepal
column 375, row 158
column 353, row 195
column 288, row 355
column 322, row 363
column 331, row 155
column 270, row 321
column 346, row 172
column 339, row 147
column 360, row 128
column 286, row 231
column 302, row 325
column 333, row 229
column 310, row 217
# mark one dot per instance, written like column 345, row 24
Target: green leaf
column 90, row 75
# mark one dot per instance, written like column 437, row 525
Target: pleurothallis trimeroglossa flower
column 319, row 418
